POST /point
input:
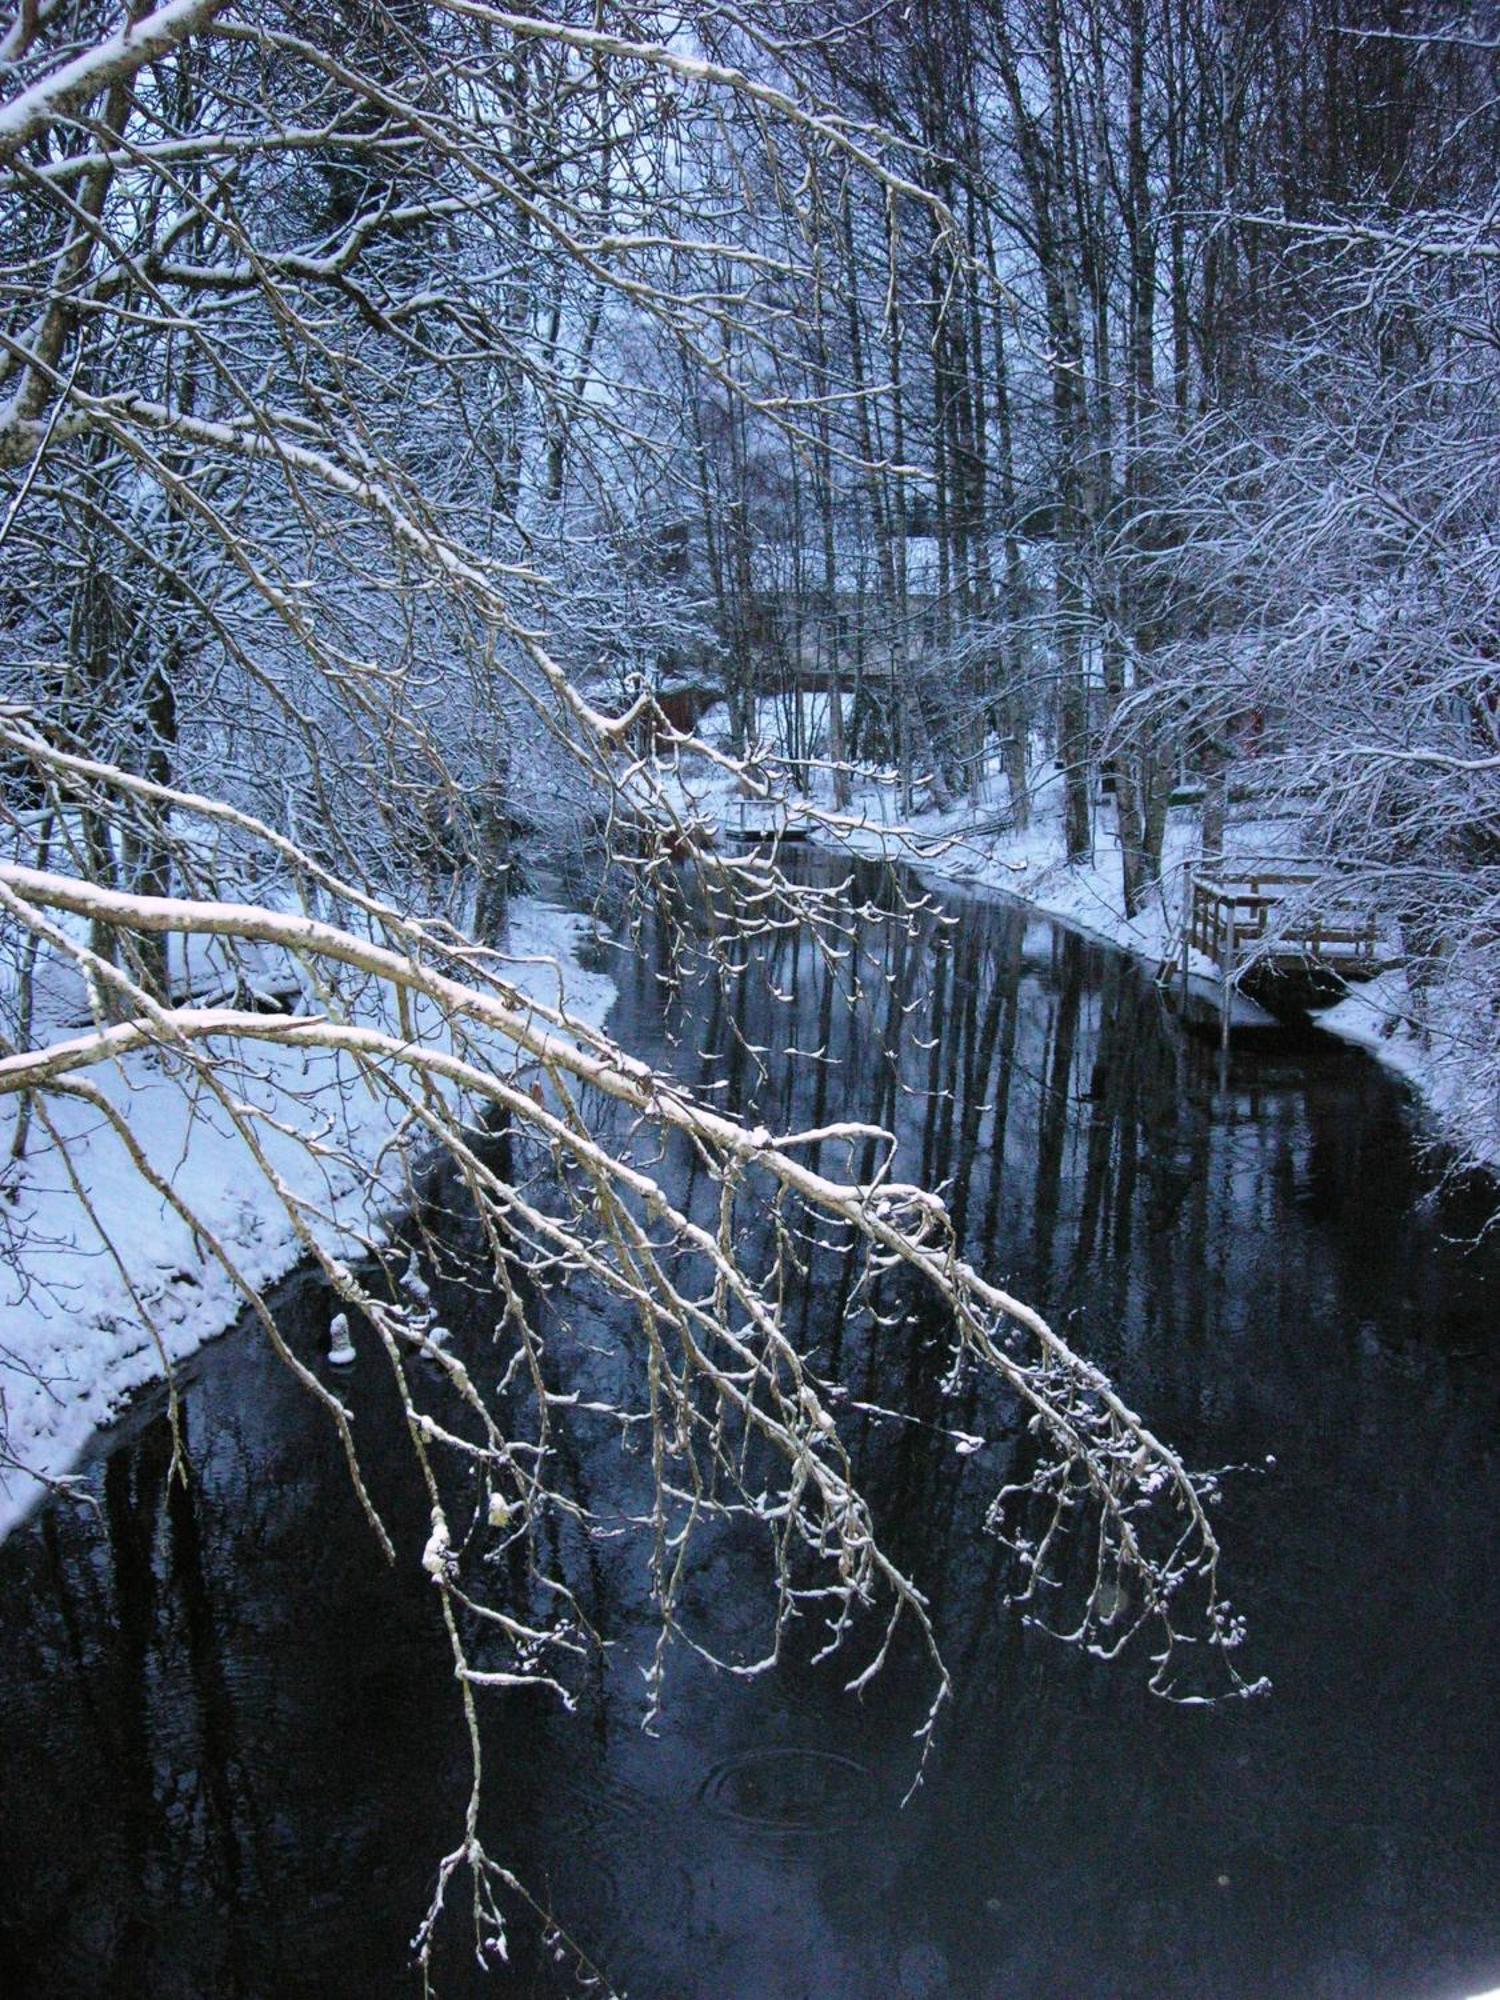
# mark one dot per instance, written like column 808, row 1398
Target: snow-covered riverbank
column 105, row 1285
column 1429, row 1039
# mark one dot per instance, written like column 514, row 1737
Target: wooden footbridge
column 1280, row 926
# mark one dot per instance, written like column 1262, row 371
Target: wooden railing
column 753, row 820
column 1233, row 917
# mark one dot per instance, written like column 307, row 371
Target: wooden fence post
column 1188, row 892
column 1227, row 988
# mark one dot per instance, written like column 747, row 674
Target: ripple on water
column 922, row 1973
column 602, row 1855
column 782, row 1788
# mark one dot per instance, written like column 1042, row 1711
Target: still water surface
column 229, row 1749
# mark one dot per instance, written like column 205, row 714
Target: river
column 230, row 1750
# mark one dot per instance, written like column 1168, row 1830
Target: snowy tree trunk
column 492, row 857
column 1215, row 803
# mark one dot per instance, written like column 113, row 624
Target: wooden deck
column 761, row 820
column 1238, row 917
column 1280, row 929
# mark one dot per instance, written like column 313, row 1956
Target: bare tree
column 313, row 346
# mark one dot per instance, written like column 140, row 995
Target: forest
column 458, row 465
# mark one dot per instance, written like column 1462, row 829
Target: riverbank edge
column 1424, row 1047
column 77, row 1346
column 1425, row 1041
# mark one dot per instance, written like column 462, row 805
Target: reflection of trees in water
column 134, row 1488
column 225, row 1789
column 1035, row 1087
column 1086, row 1152
column 206, row 1719
column 140, row 1679
column 960, row 1026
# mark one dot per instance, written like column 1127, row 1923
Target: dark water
column 229, row 1746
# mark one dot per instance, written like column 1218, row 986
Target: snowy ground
column 83, row 1324
column 1436, row 1040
